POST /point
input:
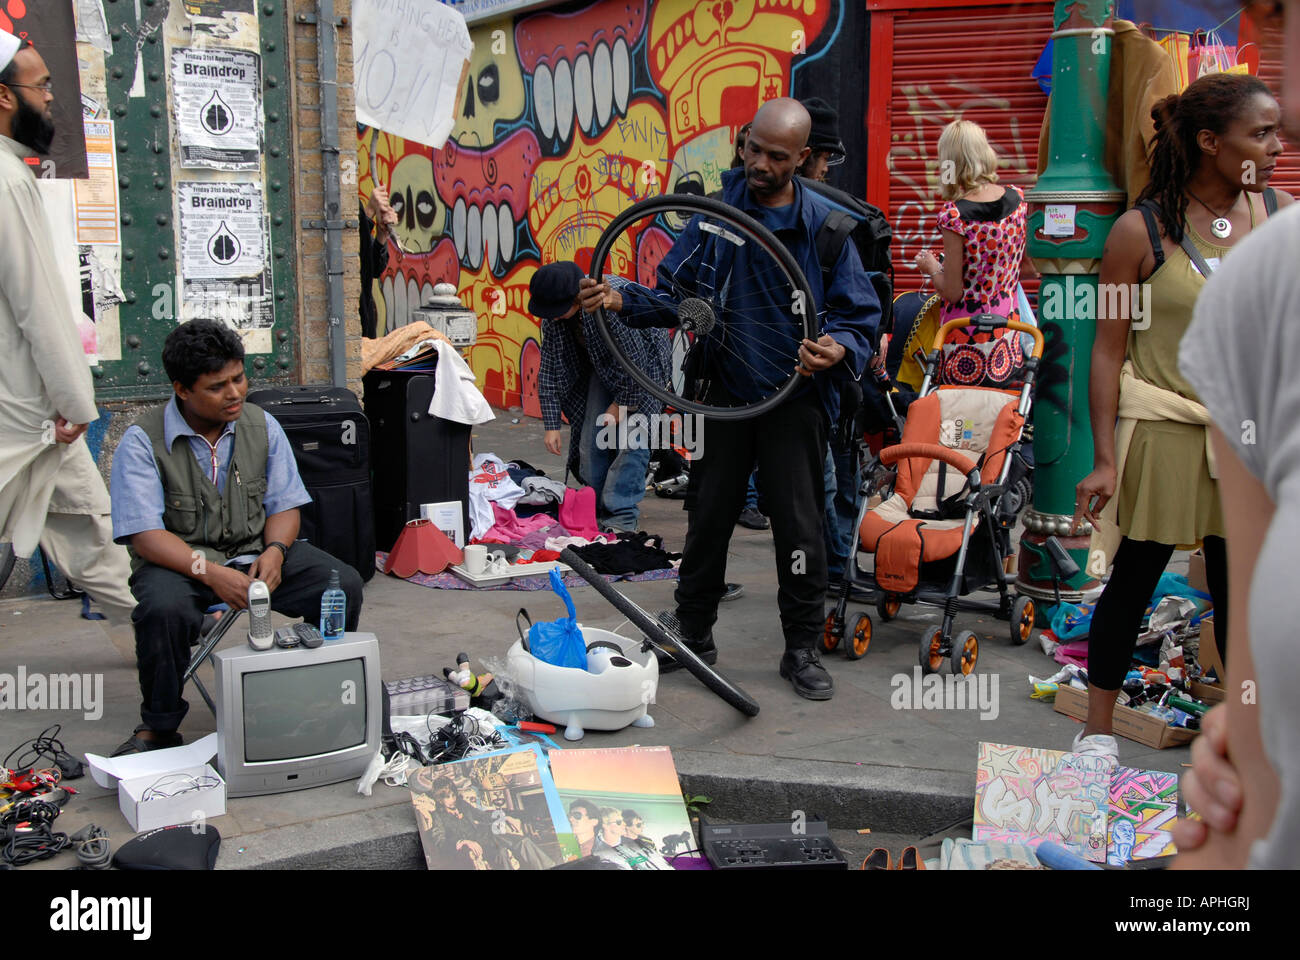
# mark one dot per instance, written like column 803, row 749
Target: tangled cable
column 27, row 834
column 46, row 745
column 92, row 847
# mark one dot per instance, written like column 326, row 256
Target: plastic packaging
column 333, row 609
column 559, row 642
column 417, row 696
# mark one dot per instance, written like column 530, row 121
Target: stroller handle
column 931, row 451
column 989, row 321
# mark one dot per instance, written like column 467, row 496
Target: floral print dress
column 993, row 235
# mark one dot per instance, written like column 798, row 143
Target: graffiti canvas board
column 1028, row 795
column 218, row 97
column 1143, row 808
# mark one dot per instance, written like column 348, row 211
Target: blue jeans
column 617, row 475
column 751, row 494
column 841, row 481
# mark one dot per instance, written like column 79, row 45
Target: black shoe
column 752, row 519
column 160, row 741
column 703, row 646
column 734, row 590
column 803, row 668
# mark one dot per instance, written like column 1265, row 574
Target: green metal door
column 135, row 86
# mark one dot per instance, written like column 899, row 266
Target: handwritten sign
column 411, row 58
column 1058, row 220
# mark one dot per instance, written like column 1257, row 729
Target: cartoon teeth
column 483, row 233
column 590, row 89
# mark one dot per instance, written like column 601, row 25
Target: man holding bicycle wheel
column 789, row 440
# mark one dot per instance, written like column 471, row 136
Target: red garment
column 542, row 556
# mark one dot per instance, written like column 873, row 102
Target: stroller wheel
column 1022, row 620
column 931, row 649
column 857, row 646
column 888, row 608
column 832, row 632
column 965, row 651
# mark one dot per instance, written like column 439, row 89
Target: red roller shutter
column 930, row 67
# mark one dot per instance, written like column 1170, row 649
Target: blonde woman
column 983, row 229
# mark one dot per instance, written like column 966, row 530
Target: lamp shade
column 422, row 548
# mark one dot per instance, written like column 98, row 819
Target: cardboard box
column 1131, row 724
column 1208, row 657
column 1196, row 572
column 1209, row 692
column 160, row 800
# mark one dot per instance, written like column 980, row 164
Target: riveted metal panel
column 970, row 63
column 148, row 174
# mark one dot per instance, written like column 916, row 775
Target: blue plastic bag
column 1071, row 621
column 559, row 642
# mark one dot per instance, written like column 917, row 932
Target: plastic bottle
column 333, row 609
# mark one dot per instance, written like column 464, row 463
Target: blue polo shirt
column 136, row 487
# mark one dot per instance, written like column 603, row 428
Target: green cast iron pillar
column 1066, row 248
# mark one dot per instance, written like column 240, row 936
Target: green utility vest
column 222, row 527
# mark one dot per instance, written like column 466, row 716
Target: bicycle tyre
column 765, row 241
column 659, row 635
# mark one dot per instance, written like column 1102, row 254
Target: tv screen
column 304, row 711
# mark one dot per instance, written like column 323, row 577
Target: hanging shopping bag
column 1176, row 45
column 1209, row 54
column 559, row 642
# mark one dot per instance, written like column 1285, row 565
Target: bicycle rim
column 662, row 637
column 737, row 320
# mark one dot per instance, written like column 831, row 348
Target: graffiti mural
column 1143, row 808
column 567, row 119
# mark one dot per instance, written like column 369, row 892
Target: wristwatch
column 284, row 551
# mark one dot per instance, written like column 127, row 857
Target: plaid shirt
column 562, row 379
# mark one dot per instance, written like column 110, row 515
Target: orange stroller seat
column 949, row 433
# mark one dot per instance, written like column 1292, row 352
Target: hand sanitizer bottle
column 333, row 609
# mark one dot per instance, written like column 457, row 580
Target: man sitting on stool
column 205, row 496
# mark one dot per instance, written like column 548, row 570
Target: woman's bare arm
column 1247, row 513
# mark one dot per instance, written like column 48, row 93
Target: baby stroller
column 939, row 522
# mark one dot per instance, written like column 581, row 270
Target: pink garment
column 578, row 512
column 1075, row 652
column 510, row 528
column 560, row 542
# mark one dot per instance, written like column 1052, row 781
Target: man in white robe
column 50, row 490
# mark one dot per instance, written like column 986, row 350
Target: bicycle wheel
column 737, row 294
column 662, row 637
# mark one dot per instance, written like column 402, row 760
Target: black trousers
column 1117, row 619
column 789, row 445
column 169, row 616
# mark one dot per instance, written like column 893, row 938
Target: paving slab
column 857, row 760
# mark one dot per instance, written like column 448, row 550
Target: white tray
column 515, row 572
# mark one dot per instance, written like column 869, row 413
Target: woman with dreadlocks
column 1152, row 487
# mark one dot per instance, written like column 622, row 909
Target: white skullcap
column 9, row 46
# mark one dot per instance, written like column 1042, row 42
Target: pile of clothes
column 529, row 518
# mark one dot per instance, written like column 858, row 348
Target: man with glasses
column 51, row 493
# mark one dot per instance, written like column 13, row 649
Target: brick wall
column 309, row 198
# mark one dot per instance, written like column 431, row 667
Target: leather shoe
column 803, row 668
column 703, row 646
column 877, row 859
column 137, row 744
column 910, row 859
column 752, row 519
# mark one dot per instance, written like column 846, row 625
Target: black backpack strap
column 830, row 240
column 1194, row 255
column 1148, row 210
column 1270, row 201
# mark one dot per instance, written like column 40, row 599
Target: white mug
column 475, row 559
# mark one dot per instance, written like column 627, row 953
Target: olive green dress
column 1167, row 494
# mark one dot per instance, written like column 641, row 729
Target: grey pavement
column 855, row 760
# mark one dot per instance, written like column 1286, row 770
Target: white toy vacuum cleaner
column 615, row 690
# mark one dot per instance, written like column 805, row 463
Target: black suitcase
column 417, row 458
column 330, row 437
